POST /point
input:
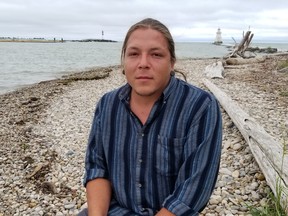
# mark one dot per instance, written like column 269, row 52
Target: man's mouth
column 144, row 77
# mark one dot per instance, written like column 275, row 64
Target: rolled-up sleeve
column 198, row 173
column 95, row 163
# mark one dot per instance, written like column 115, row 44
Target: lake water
column 28, row 63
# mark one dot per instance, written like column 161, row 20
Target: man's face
column 147, row 62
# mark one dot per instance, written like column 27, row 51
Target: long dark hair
column 155, row 25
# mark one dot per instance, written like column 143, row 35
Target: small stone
column 70, row 153
column 235, row 174
column 32, row 204
column 260, row 176
column 69, row 206
column 237, row 192
column 38, row 209
column 226, row 145
column 225, row 171
column 263, row 202
column 245, row 197
column 254, row 186
column 237, row 146
column 227, row 178
column 255, row 196
column 215, row 199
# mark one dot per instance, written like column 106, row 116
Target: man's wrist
column 164, row 212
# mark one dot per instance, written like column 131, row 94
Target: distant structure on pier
column 218, row 38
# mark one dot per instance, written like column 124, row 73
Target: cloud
column 187, row 20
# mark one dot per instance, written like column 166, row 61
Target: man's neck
column 142, row 105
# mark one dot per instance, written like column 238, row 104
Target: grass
column 282, row 64
column 274, row 205
column 284, row 93
column 24, row 146
column 271, row 208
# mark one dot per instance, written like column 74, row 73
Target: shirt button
column 139, row 185
column 140, row 160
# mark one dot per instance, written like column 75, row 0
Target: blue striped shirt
column 171, row 161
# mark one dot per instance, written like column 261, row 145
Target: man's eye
column 157, row 54
column 132, row 54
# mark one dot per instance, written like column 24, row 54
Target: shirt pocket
column 169, row 155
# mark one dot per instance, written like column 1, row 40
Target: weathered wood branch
column 215, row 70
column 234, row 67
column 248, row 41
column 268, row 153
column 243, row 45
column 240, row 61
column 243, row 41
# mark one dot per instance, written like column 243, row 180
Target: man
column 155, row 143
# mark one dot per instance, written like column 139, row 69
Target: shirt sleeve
column 95, row 165
column 198, row 174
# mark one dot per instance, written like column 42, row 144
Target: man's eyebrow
column 156, row 48
column 132, row 48
column 152, row 49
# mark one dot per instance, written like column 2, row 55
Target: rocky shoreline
column 44, row 130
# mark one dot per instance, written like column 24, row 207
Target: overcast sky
column 188, row 20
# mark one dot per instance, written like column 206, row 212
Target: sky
column 188, row 20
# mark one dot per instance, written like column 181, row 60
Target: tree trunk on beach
column 241, row 61
column 269, row 154
column 216, row 70
column 244, row 44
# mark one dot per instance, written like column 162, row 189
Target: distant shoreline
column 93, row 40
column 31, row 40
column 23, row 40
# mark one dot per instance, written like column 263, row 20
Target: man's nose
column 144, row 62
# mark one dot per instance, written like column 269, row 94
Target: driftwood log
column 269, row 154
column 215, row 70
column 243, row 45
column 241, row 61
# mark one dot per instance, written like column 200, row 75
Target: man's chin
column 145, row 92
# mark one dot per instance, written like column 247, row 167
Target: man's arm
column 198, row 173
column 164, row 212
column 98, row 192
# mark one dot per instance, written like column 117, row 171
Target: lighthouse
column 218, row 38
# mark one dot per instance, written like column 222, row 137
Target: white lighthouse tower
column 218, row 38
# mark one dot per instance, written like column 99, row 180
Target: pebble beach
column 44, row 130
